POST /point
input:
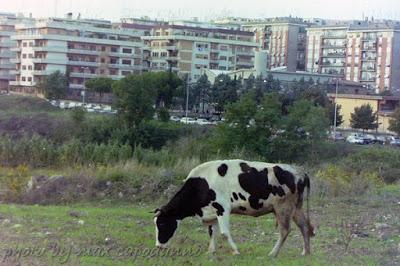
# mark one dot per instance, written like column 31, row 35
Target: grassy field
column 351, row 231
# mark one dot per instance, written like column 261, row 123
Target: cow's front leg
column 223, row 222
column 213, row 232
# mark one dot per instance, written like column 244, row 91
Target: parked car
column 380, row 140
column 395, row 141
column 369, row 139
column 355, row 139
column 202, row 121
column 336, row 136
column 174, row 118
column 188, row 120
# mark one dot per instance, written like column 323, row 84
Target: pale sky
column 206, row 9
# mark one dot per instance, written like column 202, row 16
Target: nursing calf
column 214, row 190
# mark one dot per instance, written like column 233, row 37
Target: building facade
column 364, row 52
column 283, row 38
column 80, row 49
column 187, row 50
column 7, row 29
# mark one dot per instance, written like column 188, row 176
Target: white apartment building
column 81, row 49
column 365, row 52
column 7, row 29
column 187, row 50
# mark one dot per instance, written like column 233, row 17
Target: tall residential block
column 80, row 49
column 283, row 38
column 187, row 50
column 365, row 52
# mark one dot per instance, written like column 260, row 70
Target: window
column 126, row 73
column 23, row 55
column 103, row 48
column 114, row 49
column 126, row 62
column 23, row 67
column 30, row 67
column 30, row 55
column 102, row 60
column 24, row 44
column 30, row 79
column 113, row 72
column 23, row 79
column 126, row 51
column 31, row 44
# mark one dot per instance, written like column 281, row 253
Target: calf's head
column 166, row 226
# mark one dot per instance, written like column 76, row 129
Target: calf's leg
column 283, row 216
column 223, row 222
column 213, row 232
column 301, row 221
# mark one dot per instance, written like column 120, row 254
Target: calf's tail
column 307, row 186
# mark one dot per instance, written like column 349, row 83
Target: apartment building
column 326, row 50
column 79, row 48
column 187, row 50
column 7, row 29
column 365, row 52
column 373, row 56
column 283, row 38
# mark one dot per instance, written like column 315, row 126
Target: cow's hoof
column 272, row 254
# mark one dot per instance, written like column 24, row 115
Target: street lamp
column 84, row 85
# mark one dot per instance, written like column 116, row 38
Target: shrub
column 15, row 182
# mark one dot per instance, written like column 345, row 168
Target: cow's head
column 166, row 226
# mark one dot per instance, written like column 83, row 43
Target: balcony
column 15, row 72
column 83, row 75
column 83, row 63
column 6, row 44
column 171, row 47
column 5, row 54
column 47, row 61
column 55, row 49
column 15, row 49
column 333, row 45
column 7, row 66
column 42, row 72
column 83, row 51
column 369, row 58
column 14, row 83
column 7, row 77
column 15, row 60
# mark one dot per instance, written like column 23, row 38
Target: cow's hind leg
column 301, row 221
column 223, row 222
column 283, row 215
column 213, row 232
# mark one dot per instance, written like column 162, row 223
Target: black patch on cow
column 285, row 178
column 301, row 185
column 245, row 167
column 219, row 208
column 222, row 169
column 242, row 197
column 256, row 184
column 231, row 200
column 166, row 227
column 242, row 208
column 210, row 231
column 190, row 199
column 235, row 196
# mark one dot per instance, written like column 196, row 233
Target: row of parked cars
column 89, row 107
column 365, row 139
column 193, row 121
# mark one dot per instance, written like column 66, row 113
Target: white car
column 188, row 120
column 355, row 139
column 174, row 118
column 202, row 121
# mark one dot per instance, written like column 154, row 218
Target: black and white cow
column 215, row 189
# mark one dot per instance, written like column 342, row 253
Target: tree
column 135, row 96
column 249, row 82
column 200, row 92
column 330, row 113
column 363, row 118
column 100, row 85
column 394, row 123
column 166, row 85
column 55, row 86
column 224, row 91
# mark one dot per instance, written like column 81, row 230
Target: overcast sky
column 206, row 9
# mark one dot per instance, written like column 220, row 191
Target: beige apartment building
column 365, row 52
column 283, row 38
column 80, row 49
column 187, row 50
column 7, row 29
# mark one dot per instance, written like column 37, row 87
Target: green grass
column 130, row 228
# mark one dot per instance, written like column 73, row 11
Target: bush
column 14, row 182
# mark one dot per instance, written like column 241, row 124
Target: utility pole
column 335, row 118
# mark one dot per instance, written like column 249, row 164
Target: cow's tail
column 307, row 186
